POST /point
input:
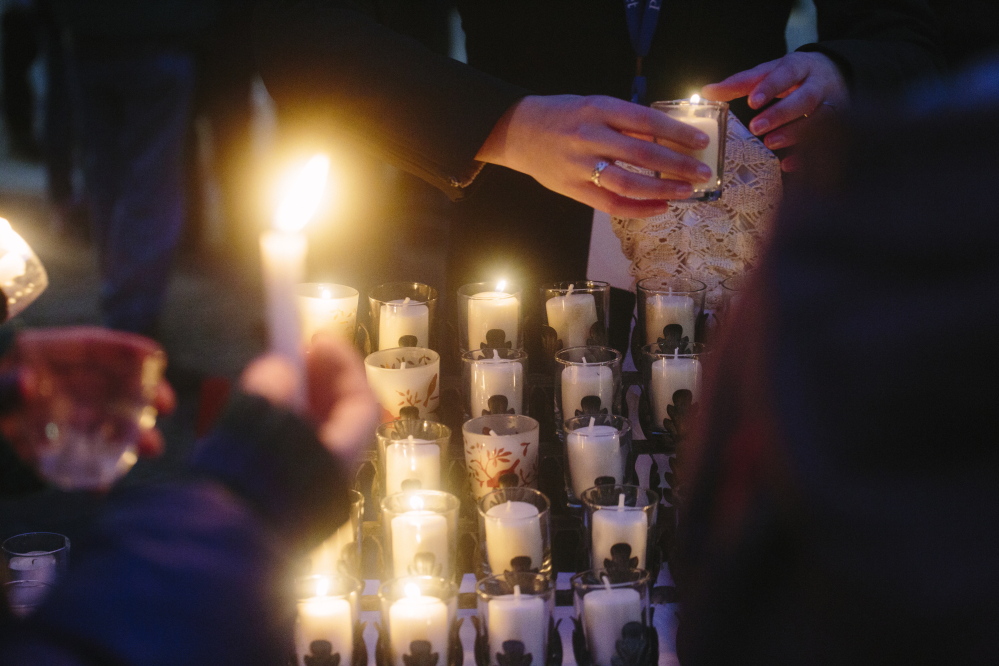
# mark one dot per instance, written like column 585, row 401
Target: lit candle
column 619, row 524
column 605, row 612
column 411, row 458
column 400, row 318
column 34, row 565
column 709, row 154
column 572, row 316
column 518, row 617
column 497, row 376
column 417, row 617
column 669, row 375
column 488, row 310
column 327, row 307
column 594, row 451
column 324, row 618
column 661, row 310
column 513, row 529
column 419, row 531
column 580, row 380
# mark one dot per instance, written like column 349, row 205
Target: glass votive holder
column 402, row 315
column 340, row 554
column 613, row 608
column 587, row 382
column 573, row 308
column 411, row 453
column 406, row 381
column 421, row 533
column 37, row 556
column 596, row 447
column 515, row 526
column 328, row 307
column 501, row 449
column 489, row 315
column 493, row 381
column 618, row 519
column 516, row 609
column 732, row 288
column 667, row 372
column 669, row 301
column 328, row 615
column 22, row 276
column 25, row 596
column 711, row 118
column 417, row 614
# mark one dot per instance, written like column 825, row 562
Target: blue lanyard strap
column 643, row 19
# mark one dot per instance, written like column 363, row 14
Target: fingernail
column 759, row 126
column 774, row 141
column 702, row 139
column 757, row 99
column 684, row 191
column 704, row 172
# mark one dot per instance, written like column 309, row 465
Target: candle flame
column 326, row 295
column 301, row 195
column 695, row 99
column 411, row 590
column 322, row 586
column 501, row 285
column 416, row 503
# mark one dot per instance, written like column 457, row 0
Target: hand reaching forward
column 560, row 139
column 811, row 88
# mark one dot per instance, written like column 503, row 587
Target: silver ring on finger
column 597, row 170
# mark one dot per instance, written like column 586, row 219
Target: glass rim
column 520, row 354
column 532, row 492
column 708, row 103
column 578, row 582
column 356, row 586
column 531, row 423
column 583, row 286
column 447, row 586
column 547, row 580
column 651, row 496
column 645, row 285
column 302, row 287
column 584, row 421
column 648, row 351
column 511, row 288
column 65, row 546
column 451, row 501
column 616, row 356
column 382, row 431
column 434, row 356
column 432, row 293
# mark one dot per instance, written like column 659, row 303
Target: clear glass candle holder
column 327, row 624
column 597, row 450
column 340, row 554
column 669, row 377
column 417, row 614
column 613, row 609
column 421, row 533
column 732, row 289
column 37, row 556
column 711, row 118
column 411, row 454
column 515, row 527
column 501, row 450
column 406, row 381
column 402, row 315
column 669, row 302
column 618, row 519
column 25, row 596
column 587, row 382
column 493, row 381
column 578, row 311
column 490, row 315
column 22, row 276
column 327, row 307
column 516, row 609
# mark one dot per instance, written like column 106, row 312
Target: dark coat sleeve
column 419, row 111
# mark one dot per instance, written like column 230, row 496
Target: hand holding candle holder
column 493, row 381
column 515, row 526
column 613, row 623
column 665, row 301
column 421, row 533
column 578, row 312
column 411, row 453
column 712, row 119
column 587, row 382
column 340, row 554
column 500, row 446
column 327, row 307
column 514, row 626
column 419, row 623
column 489, row 316
column 402, row 315
column 672, row 379
column 328, row 629
column 406, row 381
column 22, row 276
column 619, row 518
column 596, row 447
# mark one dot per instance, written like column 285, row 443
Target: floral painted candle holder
column 406, row 381
column 501, row 450
column 327, row 307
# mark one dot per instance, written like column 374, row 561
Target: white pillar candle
column 400, row 318
column 34, row 565
column 489, row 310
column 518, row 617
column 594, row 451
column 417, row 617
column 582, row 380
column 325, row 559
column 325, row 618
column 412, row 458
column 417, row 532
column 619, row 524
column 513, row 529
column 397, row 383
column 669, row 375
column 605, row 612
column 572, row 316
column 662, row 310
column 327, row 307
column 497, row 376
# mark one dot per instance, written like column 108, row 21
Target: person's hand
column 339, row 399
column 559, row 140
column 810, row 86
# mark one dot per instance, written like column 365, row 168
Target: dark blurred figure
column 21, row 29
column 132, row 82
column 969, row 29
column 844, row 502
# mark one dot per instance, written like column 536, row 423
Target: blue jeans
column 132, row 110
